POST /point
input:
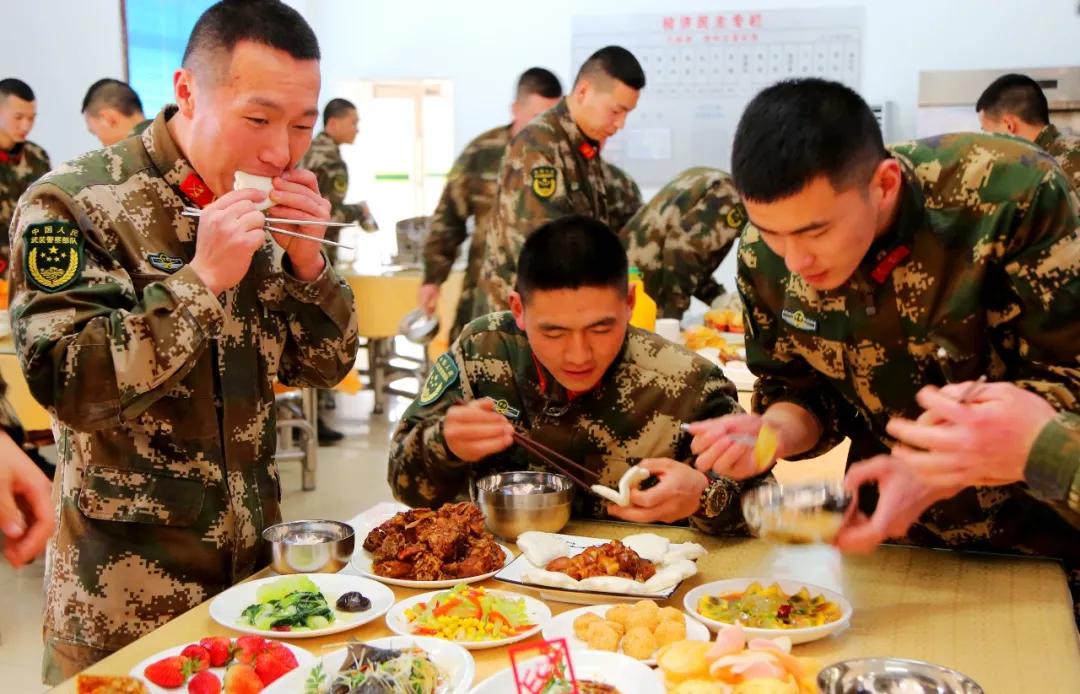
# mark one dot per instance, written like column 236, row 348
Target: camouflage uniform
column 980, row 274
column 550, row 170
column 1065, row 149
column 163, row 392
column 634, row 413
column 141, row 126
column 323, row 159
column 469, row 192
column 1053, row 466
column 626, row 194
column 681, row 237
column 19, row 167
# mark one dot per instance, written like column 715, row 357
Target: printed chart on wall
column 701, row 70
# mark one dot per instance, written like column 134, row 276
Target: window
column 156, row 33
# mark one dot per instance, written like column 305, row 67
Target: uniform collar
column 585, row 147
column 894, row 246
column 171, row 163
column 323, row 139
column 13, row 155
column 1047, row 136
column 556, row 395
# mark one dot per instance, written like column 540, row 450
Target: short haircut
column 15, row 87
column 614, row 62
column 537, row 80
column 1015, row 94
column 797, row 130
column 114, row 94
column 268, row 22
column 569, row 253
column 336, row 108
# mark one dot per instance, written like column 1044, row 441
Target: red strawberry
column 242, row 679
column 204, row 683
column 199, row 657
column 247, row 647
column 219, row 648
column 168, row 672
column 282, row 651
column 273, row 663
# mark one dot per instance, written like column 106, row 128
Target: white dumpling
column 685, row 550
column 554, row 579
column 541, row 548
column 242, row 180
column 610, row 584
column 629, row 481
column 648, row 546
column 671, row 575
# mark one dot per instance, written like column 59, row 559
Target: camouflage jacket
column 163, row 392
column 1053, row 467
column 469, row 192
column 550, row 170
column 635, row 412
column 9, row 421
column 681, row 237
column 323, row 158
column 626, row 196
column 980, row 274
column 19, row 167
column 1065, row 149
column 141, row 126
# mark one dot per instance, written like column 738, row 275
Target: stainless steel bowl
column 310, row 546
column 418, row 326
column 893, row 676
column 514, row 502
column 796, row 514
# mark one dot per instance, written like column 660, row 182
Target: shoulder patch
column 341, row 185
column 443, row 374
column 544, row 181
column 165, row 262
column 53, row 257
column 736, row 217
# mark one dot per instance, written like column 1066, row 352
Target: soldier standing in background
column 113, row 111
column 21, row 161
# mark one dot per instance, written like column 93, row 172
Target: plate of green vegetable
column 301, row 606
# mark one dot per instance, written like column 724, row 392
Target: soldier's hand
column 230, row 231
column 428, row 298
column 725, row 445
column 902, row 498
column 26, row 509
column 676, row 496
column 984, row 441
column 475, row 430
column 296, row 196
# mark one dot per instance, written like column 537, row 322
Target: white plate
column 562, row 627
column 226, row 607
column 735, row 585
column 512, row 573
column 304, row 661
column 456, row 662
column 537, row 612
column 627, row 675
column 362, row 563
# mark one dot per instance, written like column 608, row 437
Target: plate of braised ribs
column 432, row 548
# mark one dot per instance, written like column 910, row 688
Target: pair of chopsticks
column 556, row 460
column 196, row 213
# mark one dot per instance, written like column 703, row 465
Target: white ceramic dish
column 304, row 661
column 537, row 612
column 227, row 607
column 735, row 585
column 456, row 663
column 627, row 675
column 362, row 564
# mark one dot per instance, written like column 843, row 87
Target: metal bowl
column 310, row 546
column 418, row 326
column 796, row 514
column 514, row 502
column 893, row 675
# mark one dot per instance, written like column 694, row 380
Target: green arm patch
column 443, row 374
column 544, row 181
column 53, row 257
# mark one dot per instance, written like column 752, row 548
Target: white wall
column 60, row 48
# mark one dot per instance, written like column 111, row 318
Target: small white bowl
column 735, row 585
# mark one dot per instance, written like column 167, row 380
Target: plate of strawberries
column 220, row 665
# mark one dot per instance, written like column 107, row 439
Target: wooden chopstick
column 528, row 445
column 555, row 454
column 293, row 234
column 195, row 212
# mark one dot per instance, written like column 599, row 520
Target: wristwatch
column 717, row 495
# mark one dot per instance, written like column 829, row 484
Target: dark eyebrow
column 812, row 226
column 603, row 322
column 271, row 104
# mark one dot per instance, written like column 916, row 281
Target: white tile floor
column 349, row 479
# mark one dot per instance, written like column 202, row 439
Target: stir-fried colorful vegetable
column 770, row 608
column 293, row 603
column 466, row 613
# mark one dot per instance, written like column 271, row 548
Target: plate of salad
column 301, row 606
column 471, row 616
